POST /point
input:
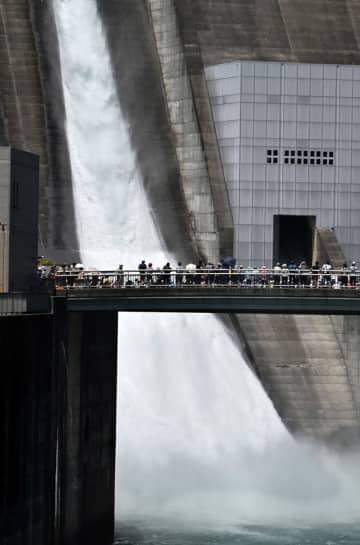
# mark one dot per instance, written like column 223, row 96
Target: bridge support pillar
column 57, row 427
column 86, row 349
column 27, row 425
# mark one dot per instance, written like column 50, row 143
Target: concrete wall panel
column 310, row 377
column 298, row 155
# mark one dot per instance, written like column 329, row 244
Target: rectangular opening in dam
column 293, row 238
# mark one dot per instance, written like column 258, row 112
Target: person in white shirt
column 277, row 274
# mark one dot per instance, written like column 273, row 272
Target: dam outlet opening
column 294, row 238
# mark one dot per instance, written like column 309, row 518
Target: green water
column 146, row 534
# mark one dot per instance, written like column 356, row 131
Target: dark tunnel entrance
column 294, row 238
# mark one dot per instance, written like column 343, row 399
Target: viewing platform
column 259, row 292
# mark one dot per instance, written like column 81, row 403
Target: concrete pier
column 28, row 431
column 57, row 423
column 87, row 385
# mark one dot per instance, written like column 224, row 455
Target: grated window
column 308, row 157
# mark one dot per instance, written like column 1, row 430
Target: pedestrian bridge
column 219, row 300
column 220, row 291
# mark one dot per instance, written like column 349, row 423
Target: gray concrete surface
column 22, row 107
column 347, row 331
column 60, row 241
column 184, row 122
column 32, row 115
column 327, row 248
column 293, row 30
column 301, row 362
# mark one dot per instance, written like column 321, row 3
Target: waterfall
column 197, row 437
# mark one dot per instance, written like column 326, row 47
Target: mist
column 287, row 484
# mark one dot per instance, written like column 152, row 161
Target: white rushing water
column 197, row 436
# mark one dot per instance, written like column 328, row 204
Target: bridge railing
column 231, row 278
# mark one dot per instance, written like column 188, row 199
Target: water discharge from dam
column 198, row 440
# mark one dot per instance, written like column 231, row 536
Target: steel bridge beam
column 208, row 300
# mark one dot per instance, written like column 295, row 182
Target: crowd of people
column 226, row 272
column 204, row 274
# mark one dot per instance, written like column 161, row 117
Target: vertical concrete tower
column 289, row 137
column 19, row 181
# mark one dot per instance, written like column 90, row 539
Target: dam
column 233, row 128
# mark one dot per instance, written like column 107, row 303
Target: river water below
column 140, row 533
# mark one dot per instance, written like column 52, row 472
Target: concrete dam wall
column 175, row 140
column 32, row 116
column 172, row 42
column 304, row 365
column 309, row 366
column 315, row 31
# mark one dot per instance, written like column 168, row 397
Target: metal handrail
column 182, row 278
